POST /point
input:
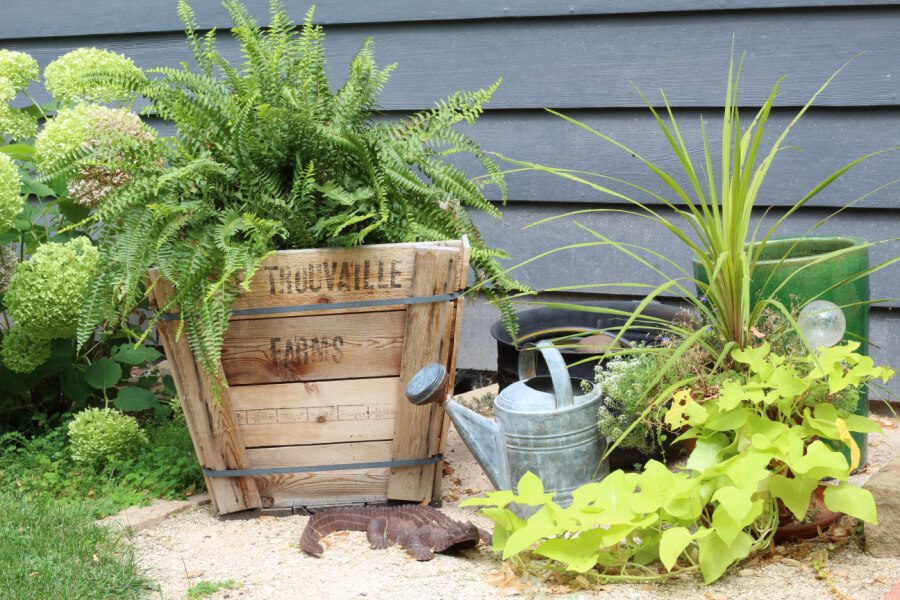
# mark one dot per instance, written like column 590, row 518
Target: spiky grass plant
column 267, row 157
column 714, row 220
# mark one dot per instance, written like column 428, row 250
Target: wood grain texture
column 312, row 394
column 588, row 61
column 426, row 339
column 336, row 275
column 89, row 17
column 211, row 421
column 313, row 348
column 323, row 489
column 440, row 420
column 321, row 454
column 318, row 425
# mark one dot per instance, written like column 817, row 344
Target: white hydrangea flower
column 65, row 77
column 18, row 68
column 87, row 126
column 7, row 89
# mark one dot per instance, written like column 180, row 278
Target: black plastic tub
column 550, row 323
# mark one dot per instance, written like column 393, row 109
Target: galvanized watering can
column 541, row 425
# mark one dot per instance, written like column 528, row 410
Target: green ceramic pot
column 813, row 281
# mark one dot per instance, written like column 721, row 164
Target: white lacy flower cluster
column 622, row 380
column 68, row 77
column 86, row 127
column 17, row 69
column 11, row 200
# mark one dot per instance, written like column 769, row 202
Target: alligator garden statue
column 420, row 530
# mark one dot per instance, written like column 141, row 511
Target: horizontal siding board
column 607, row 265
column 92, row 17
column 828, row 139
column 587, row 62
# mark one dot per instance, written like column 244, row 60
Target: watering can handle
column 559, row 372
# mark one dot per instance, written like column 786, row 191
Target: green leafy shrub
column 762, row 438
column 42, row 467
column 101, row 435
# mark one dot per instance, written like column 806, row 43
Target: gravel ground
column 261, row 555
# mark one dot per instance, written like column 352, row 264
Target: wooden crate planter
column 326, row 387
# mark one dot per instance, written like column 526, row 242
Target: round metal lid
column 425, row 384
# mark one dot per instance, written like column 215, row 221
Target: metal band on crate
column 411, row 462
column 274, row 310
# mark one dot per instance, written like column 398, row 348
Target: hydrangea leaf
column 103, row 374
column 134, row 399
column 130, row 355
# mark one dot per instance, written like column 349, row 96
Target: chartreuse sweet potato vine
column 769, row 434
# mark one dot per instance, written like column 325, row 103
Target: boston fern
column 267, row 157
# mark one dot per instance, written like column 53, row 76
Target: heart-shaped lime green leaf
column 672, row 544
column 852, row 500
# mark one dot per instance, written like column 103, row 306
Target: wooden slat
column 317, row 412
column 321, row 454
column 440, row 420
column 325, row 276
column 345, row 392
column 328, row 488
column 425, row 341
column 313, row 348
column 210, row 422
column 275, row 427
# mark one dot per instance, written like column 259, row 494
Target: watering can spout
column 482, row 436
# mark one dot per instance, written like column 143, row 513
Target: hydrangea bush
column 99, row 435
column 44, row 299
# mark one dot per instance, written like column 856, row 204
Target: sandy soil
column 261, row 555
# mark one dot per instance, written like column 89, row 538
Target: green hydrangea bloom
column 114, row 131
column 99, row 435
column 18, row 68
column 65, row 76
column 11, row 200
column 7, row 89
column 46, row 293
column 21, row 352
column 16, row 123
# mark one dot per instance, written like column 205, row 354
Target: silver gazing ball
column 823, row 323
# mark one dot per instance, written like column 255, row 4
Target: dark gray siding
column 581, row 57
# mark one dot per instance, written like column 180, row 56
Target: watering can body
column 540, row 426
